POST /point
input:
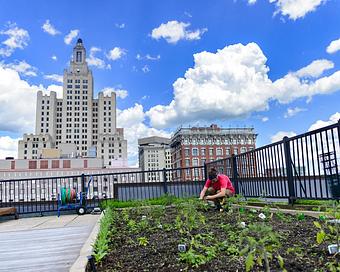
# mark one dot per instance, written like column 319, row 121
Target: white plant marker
column 243, row 224
column 262, row 216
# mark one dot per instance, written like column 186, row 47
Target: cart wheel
column 81, row 210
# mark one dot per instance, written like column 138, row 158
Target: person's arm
column 222, row 193
column 202, row 194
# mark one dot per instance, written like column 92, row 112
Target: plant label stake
column 182, row 247
column 332, row 249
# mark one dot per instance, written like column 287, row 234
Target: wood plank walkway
column 43, row 243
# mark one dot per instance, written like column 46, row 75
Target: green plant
column 101, row 246
column 143, row 241
column 202, row 249
column 328, row 231
column 261, row 244
column 188, row 218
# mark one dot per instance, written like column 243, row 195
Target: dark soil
column 297, row 247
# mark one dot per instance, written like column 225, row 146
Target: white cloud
column 173, row 31
column 70, row 36
column 54, row 77
column 18, row 100
column 132, row 119
column 146, row 69
column 233, row 83
column 8, row 147
column 121, row 26
column 54, row 88
column 320, row 123
column 264, row 119
column 148, row 57
column 54, row 57
column 293, row 111
column 49, row 28
column 315, row 69
column 279, row 135
column 116, row 53
column 17, row 38
column 333, row 47
column 92, row 60
column 22, row 67
column 251, row 2
column 121, row 93
column 296, row 9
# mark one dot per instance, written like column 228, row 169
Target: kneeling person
column 217, row 188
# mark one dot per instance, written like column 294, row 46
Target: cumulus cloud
column 279, row 135
column 233, row 83
column 93, row 60
column 21, row 67
column 148, row 57
column 18, row 101
column 8, row 147
column 121, row 93
column 54, row 77
column 16, row 38
column 251, row 2
column 333, row 47
column 264, row 119
column 54, row 57
column 53, row 88
column 320, row 123
column 293, row 111
column 173, row 31
column 315, row 69
column 132, row 119
column 49, row 28
column 71, row 35
column 116, row 53
column 296, row 9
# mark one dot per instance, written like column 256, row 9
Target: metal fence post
column 205, row 172
column 83, row 183
column 234, row 173
column 290, row 177
column 165, row 186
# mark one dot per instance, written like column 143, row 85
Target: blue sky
column 272, row 64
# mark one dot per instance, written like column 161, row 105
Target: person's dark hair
column 212, row 173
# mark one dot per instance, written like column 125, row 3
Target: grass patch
column 162, row 201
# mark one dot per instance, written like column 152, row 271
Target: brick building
column 198, row 145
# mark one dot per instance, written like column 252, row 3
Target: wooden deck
column 44, row 243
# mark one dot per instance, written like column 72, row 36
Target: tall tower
column 77, row 102
column 77, row 124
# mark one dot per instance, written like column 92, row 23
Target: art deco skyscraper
column 77, row 124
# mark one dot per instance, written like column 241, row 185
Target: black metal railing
column 38, row 195
column 301, row 167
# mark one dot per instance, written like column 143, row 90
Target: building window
column 187, row 152
column 195, row 151
column 202, row 151
column 55, row 164
column 227, row 151
column 78, row 56
column 194, row 162
column 219, row 152
column 32, row 165
column 235, row 151
column 211, row 152
column 44, row 164
column 243, row 149
column 187, row 163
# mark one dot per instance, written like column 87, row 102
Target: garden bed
column 147, row 239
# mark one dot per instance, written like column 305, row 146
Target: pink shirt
column 222, row 182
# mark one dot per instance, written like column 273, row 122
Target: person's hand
column 207, row 198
